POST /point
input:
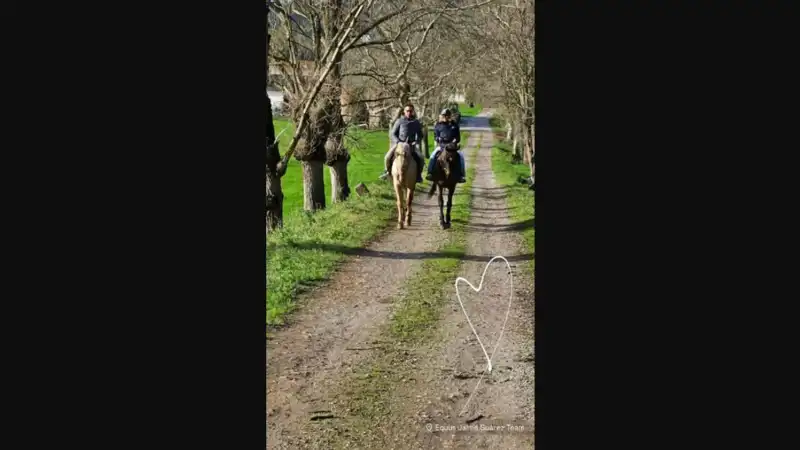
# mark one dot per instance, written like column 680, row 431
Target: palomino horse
column 404, row 178
column 444, row 176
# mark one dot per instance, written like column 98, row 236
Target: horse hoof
column 399, row 226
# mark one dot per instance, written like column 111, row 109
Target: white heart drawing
column 502, row 330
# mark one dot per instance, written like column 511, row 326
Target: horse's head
column 445, row 160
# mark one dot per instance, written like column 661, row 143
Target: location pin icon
column 429, row 427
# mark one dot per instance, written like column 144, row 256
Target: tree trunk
column 404, row 93
column 532, row 147
column 516, row 154
column 526, row 153
column 274, row 213
column 508, row 131
column 425, row 149
column 533, row 170
column 274, row 169
column 337, row 154
column 527, row 140
column 340, row 187
column 313, row 185
column 514, row 149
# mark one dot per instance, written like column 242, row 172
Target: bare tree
column 416, row 56
column 322, row 31
column 315, row 36
column 275, row 168
column 508, row 41
column 517, row 22
column 318, row 33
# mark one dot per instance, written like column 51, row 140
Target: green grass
column 308, row 248
column 367, row 149
column 520, row 200
column 497, row 124
column 469, row 112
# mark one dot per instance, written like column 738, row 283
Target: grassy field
column 304, row 252
column 367, row 149
column 469, row 112
column 521, row 201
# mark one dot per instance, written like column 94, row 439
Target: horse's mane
column 402, row 148
column 402, row 153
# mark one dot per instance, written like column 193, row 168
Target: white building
column 276, row 99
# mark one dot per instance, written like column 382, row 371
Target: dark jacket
column 406, row 129
column 445, row 132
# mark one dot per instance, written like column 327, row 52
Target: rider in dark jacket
column 445, row 132
column 406, row 129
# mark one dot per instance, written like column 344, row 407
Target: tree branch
column 334, row 58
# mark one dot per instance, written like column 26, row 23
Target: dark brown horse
column 445, row 175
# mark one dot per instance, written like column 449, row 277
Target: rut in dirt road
column 336, row 325
column 460, row 392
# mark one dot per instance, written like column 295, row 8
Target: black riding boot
column 389, row 164
column 420, row 163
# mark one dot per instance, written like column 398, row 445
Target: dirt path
column 337, row 333
column 454, row 365
column 337, row 324
column 442, row 383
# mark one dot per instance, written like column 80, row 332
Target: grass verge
column 306, row 251
column 520, row 200
column 497, row 124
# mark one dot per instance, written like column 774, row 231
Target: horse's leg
column 398, row 194
column 409, row 199
column 441, row 207
column 450, row 193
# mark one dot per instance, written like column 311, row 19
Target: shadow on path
column 400, row 255
column 517, row 226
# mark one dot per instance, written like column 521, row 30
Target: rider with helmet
column 406, row 129
column 445, row 132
